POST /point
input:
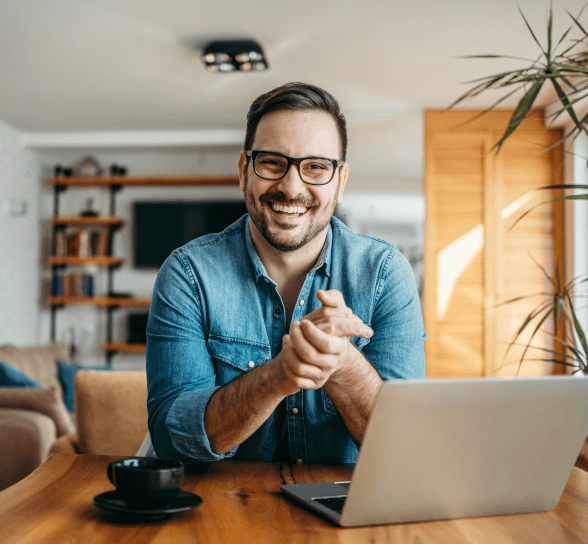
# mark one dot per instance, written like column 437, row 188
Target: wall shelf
column 103, row 252
column 101, row 301
column 79, row 221
column 142, row 181
column 102, row 260
column 124, row 348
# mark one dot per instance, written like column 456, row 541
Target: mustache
column 281, row 198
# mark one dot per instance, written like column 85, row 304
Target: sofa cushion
column 111, row 411
column 10, row 377
column 46, row 401
column 26, row 437
column 38, row 363
column 67, row 375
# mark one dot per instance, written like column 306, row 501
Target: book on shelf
column 94, row 238
column 75, row 284
column 104, row 242
column 71, row 243
column 82, row 242
column 60, row 246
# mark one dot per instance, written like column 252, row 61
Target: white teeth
column 288, row 209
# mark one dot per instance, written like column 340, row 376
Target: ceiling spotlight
column 234, row 55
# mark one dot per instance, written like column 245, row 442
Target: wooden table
column 243, row 504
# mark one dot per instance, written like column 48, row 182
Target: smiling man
column 270, row 340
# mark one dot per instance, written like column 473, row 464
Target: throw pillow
column 67, row 375
column 10, row 377
column 45, row 401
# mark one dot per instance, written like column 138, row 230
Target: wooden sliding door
column 472, row 263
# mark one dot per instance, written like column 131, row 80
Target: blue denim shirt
column 216, row 314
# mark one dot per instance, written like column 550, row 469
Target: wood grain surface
column 243, row 504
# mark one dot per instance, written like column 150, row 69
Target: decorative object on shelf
column 88, row 166
column 62, row 171
column 116, row 170
column 566, row 72
column 89, row 211
column 234, row 55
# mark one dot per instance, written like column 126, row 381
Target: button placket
column 296, row 438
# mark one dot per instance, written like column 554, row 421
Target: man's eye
column 317, row 166
column 269, row 162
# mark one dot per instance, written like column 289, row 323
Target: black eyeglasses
column 274, row 166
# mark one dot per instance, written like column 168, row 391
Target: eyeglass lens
column 312, row 170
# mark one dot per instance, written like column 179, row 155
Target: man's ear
column 242, row 170
column 342, row 182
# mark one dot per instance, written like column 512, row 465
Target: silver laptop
column 457, row 448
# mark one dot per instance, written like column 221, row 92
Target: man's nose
column 291, row 184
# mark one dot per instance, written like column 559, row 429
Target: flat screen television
column 161, row 227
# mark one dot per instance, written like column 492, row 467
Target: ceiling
column 111, row 65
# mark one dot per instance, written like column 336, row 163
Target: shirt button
column 294, row 410
column 298, row 461
column 278, row 311
column 250, row 364
column 301, row 302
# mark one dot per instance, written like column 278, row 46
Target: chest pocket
column 233, row 357
column 328, row 405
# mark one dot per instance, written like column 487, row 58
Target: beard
column 281, row 240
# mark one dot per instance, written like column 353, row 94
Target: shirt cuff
column 185, row 424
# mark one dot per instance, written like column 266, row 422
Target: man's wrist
column 273, row 380
column 352, row 362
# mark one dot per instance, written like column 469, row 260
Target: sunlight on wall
column 454, row 258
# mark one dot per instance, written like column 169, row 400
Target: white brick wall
column 19, row 240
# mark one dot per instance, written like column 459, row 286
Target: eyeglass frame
column 252, row 153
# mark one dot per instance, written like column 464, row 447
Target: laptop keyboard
column 334, row 503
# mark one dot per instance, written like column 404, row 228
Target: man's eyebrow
column 305, row 156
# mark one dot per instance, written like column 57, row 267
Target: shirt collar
column 324, row 258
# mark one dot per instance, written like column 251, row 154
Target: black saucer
column 183, row 501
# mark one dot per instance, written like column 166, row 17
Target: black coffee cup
column 145, row 480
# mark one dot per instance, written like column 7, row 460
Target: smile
column 288, row 209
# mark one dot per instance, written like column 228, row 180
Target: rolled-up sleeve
column 180, row 371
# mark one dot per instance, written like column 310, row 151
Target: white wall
column 19, row 240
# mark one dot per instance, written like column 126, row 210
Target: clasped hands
column 318, row 347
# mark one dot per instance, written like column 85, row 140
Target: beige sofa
column 111, row 414
column 31, row 419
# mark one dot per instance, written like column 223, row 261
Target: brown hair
column 296, row 96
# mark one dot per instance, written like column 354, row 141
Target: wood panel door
column 472, row 261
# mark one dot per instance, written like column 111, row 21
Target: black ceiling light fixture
column 234, row 56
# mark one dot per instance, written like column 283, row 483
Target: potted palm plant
column 563, row 65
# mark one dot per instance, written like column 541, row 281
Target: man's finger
column 345, row 327
column 332, row 298
column 323, row 341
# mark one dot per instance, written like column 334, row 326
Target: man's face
column 296, row 134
